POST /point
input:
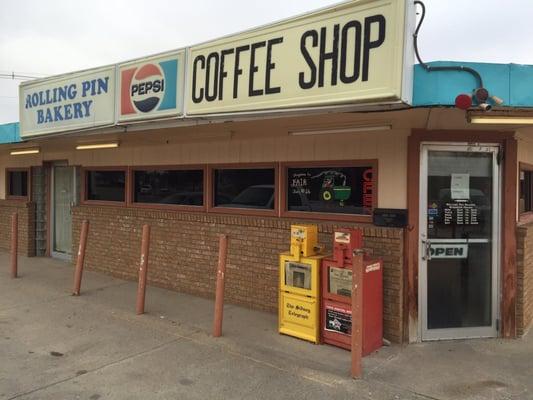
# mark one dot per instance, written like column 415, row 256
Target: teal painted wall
column 9, row 133
column 513, row 83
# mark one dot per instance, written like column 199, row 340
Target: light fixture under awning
column 344, row 129
column 21, row 152
column 500, row 120
column 96, row 146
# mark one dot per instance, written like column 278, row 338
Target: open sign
column 449, row 250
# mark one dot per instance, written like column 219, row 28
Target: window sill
column 366, row 219
column 168, row 207
column 103, row 203
column 18, row 198
column 525, row 218
column 243, row 211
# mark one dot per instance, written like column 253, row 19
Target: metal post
column 14, row 245
column 357, row 313
column 81, row 258
column 219, row 296
column 143, row 269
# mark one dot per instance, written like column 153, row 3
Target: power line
column 17, row 76
column 7, row 71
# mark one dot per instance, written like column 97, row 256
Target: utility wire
column 430, row 68
column 17, row 76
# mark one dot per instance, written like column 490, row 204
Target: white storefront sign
column 355, row 52
column 69, row 102
column 151, row 87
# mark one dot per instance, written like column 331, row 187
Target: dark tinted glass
column 106, row 185
column 18, row 183
column 181, row 187
column 459, row 195
column 245, row 188
column 460, row 208
column 347, row 190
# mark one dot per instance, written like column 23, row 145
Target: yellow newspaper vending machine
column 299, row 295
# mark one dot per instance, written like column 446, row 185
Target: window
column 105, row 185
column 252, row 188
column 526, row 191
column 172, row 187
column 334, row 188
column 17, row 183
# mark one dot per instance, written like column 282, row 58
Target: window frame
column 157, row 206
column 86, row 201
column 323, row 215
column 526, row 216
column 8, row 184
column 211, row 208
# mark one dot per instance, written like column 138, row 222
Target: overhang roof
column 511, row 83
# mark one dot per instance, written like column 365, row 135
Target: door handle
column 426, row 252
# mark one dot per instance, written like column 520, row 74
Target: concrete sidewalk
column 55, row 346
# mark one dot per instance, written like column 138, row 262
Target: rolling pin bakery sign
column 351, row 53
column 69, row 102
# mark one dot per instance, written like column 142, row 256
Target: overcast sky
column 55, row 36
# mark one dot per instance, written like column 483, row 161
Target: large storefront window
column 341, row 189
column 17, row 182
column 106, row 185
column 252, row 188
column 174, row 187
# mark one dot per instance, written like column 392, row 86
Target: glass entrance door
column 64, row 195
column 459, row 225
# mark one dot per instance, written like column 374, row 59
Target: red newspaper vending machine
column 336, row 307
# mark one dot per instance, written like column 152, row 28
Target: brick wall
column 26, row 226
column 184, row 248
column 524, row 304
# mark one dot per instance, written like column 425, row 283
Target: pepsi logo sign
column 148, row 88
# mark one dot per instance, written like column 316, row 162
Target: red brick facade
column 524, row 264
column 184, row 248
column 26, row 226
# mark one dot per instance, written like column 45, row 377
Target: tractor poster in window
column 348, row 190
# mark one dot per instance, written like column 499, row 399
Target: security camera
column 481, row 95
column 496, row 100
column 485, row 107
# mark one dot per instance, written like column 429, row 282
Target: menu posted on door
column 461, row 213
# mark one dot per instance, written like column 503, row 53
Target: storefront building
column 245, row 134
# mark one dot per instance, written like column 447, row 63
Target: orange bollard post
column 357, row 313
column 14, row 245
column 219, row 296
column 143, row 269
column 81, row 258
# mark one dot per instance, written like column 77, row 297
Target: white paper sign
column 460, row 187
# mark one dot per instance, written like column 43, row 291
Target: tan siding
column 390, row 148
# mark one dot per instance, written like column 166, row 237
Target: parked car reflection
column 256, row 196
column 184, row 198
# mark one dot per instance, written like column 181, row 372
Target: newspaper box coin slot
column 336, row 308
column 299, row 296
